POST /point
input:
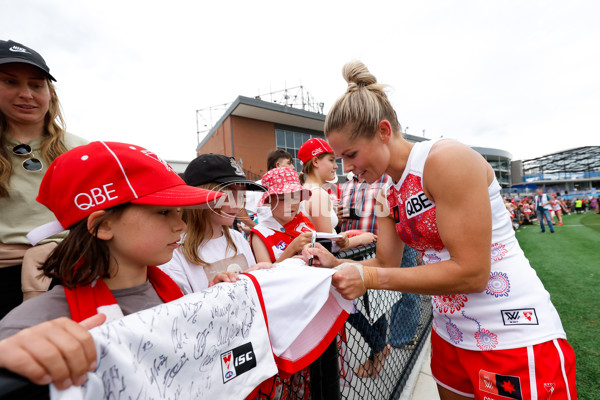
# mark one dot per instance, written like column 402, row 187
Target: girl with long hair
column 211, row 251
column 32, row 135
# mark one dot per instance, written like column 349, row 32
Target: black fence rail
column 371, row 358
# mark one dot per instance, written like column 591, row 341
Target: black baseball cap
column 217, row 168
column 13, row 52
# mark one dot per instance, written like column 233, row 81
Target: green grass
column 568, row 263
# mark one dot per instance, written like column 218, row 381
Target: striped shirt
column 362, row 197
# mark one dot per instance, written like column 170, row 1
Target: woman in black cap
column 32, row 135
column 211, row 251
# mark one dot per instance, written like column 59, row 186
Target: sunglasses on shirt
column 30, row 164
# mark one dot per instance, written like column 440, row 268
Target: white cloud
column 520, row 76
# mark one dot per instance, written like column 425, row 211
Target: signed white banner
column 214, row 343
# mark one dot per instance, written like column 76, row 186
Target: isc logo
column 237, row 361
column 417, row 204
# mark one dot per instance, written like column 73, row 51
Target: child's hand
column 224, row 277
column 260, row 265
column 366, row 238
column 245, row 228
column 343, row 242
column 299, row 242
column 59, row 351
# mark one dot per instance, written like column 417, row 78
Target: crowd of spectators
column 523, row 211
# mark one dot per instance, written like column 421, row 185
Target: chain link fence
column 374, row 354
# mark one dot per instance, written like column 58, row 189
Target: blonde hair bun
column 357, row 75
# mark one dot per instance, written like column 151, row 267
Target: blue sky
column 520, row 76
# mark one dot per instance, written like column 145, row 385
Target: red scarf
column 95, row 298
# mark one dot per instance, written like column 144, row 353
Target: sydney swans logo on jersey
column 303, row 228
column 417, row 204
column 522, row 316
column 237, row 361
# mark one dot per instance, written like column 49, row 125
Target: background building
column 250, row 128
column 574, row 172
column 500, row 161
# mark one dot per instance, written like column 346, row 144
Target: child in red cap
column 283, row 234
column 120, row 203
column 318, row 170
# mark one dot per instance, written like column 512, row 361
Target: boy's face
column 143, row 235
column 284, row 162
column 284, row 207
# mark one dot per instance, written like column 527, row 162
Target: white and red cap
column 312, row 148
column 282, row 180
column 101, row 175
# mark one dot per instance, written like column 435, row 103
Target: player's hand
column 321, row 257
column 348, row 282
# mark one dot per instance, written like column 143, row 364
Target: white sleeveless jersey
column 514, row 310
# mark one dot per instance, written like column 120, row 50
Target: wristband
column 359, row 267
column 370, row 277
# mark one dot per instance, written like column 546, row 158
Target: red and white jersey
column 555, row 205
column 514, row 310
column 277, row 237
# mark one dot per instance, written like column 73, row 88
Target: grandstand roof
column 578, row 159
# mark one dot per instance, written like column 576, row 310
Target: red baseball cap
column 312, row 148
column 101, row 175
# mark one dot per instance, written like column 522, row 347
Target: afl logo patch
column 237, row 361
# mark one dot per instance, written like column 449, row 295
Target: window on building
column 291, row 140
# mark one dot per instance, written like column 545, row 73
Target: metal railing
column 371, row 358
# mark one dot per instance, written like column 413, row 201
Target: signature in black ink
column 190, row 310
column 200, row 344
column 178, row 337
column 113, row 382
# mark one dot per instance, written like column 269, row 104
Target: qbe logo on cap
column 237, row 361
